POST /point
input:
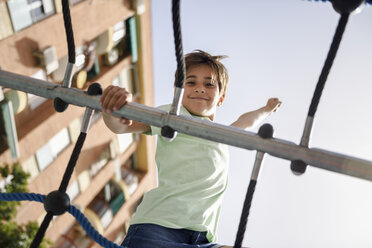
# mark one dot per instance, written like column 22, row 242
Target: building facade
column 113, row 46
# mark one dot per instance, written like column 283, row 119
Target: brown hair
column 219, row 71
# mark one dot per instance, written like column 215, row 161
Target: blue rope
column 83, row 221
column 79, row 216
column 22, row 197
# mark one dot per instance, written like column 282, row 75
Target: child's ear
column 220, row 101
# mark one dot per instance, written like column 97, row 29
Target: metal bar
column 87, row 120
column 305, row 140
column 201, row 128
column 177, row 99
column 257, row 166
column 68, row 75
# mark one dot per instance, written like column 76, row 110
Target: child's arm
column 113, row 98
column 251, row 119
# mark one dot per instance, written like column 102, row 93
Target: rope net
column 53, row 200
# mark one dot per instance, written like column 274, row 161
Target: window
column 112, row 194
column 49, row 152
column 125, row 79
column 26, row 12
column 36, row 9
column 73, row 190
column 19, row 13
column 100, row 162
column 130, row 178
column 103, row 210
column 125, row 140
column 119, row 32
column 107, row 218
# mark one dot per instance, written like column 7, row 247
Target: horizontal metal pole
column 201, row 128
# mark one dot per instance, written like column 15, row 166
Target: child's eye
column 209, row 84
column 190, row 83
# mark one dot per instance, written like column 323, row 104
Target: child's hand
column 273, row 105
column 113, row 98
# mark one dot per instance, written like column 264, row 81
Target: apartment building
column 113, row 46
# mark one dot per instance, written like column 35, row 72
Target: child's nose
column 200, row 89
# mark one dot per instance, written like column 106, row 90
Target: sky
column 277, row 49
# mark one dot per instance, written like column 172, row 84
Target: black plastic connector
column 57, row 202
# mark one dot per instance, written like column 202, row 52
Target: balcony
column 17, row 49
column 112, row 207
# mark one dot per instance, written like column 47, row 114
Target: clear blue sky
column 277, row 48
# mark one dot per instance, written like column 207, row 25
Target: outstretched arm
column 251, row 119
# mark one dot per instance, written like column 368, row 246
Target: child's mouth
column 199, row 98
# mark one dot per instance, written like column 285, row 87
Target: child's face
column 201, row 94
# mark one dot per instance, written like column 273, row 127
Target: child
column 192, row 172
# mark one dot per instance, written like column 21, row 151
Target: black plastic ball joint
column 168, row 133
column 266, row 131
column 298, row 167
column 60, row 105
column 94, row 89
column 346, row 6
column 57, row 202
